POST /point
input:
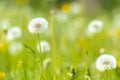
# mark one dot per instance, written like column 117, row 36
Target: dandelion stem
column 107, row 78
column 40, row 53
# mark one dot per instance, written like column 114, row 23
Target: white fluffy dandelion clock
column 95, row 26
column 14, row 33
column 15, row 48
column 106, row 62
column 45, row 47
column 38, row 25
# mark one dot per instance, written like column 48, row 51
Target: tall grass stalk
column 87, row 67
column 53, row 44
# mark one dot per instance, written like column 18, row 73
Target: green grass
column 70, row 46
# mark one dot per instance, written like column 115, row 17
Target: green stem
column 40, row 54
column 107, row 76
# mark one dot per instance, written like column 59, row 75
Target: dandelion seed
column 45, row 47
column 105, row 62
column 95, row 26
column 14, row 33
column 15, row 48
column 38, row 25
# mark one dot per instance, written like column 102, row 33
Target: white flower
column 14, row 33
column 38, row 25
column 45, row 47
column 76, row 7
column 116, row 20
column 15, row 48
column 105, row 62
column 62, row 17
column 95, row 26
column 5, row 24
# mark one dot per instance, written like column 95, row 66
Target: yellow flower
column 118, row 63
column 117, row 33
column 66, row 8
column 19, row 65
column 3, row 46
column 2, row 75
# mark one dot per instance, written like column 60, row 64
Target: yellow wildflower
column 117, row 33
column 3, row 46
column 2, row 75
column 19, row 65
column 118, row 63
column 66, row 7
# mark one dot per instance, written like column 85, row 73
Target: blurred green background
column 70, row 19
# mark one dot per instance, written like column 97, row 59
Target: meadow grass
column 73, row 52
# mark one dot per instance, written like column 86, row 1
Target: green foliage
column 75, row 50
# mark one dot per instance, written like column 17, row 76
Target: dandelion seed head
column 105, row 62
column 14, row 33
column 61, row 17
column 15, row 48
column 45, row 47
column 38, row 25
column 76, row 7
column 95, row 26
